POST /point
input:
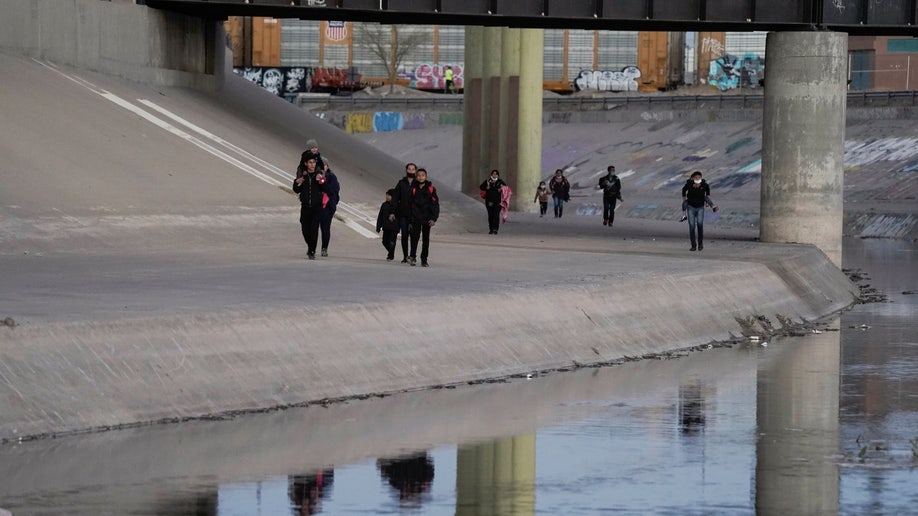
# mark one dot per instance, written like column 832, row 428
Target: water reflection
column 306, row 491
column 497, row 477
column 410, row 477
column 797, row 410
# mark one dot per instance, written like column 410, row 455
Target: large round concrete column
column 490, row 104
column 472, row 109
column 509, row 102
column 529, row 132
column 803, row 140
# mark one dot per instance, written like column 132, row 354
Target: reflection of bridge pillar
column 471, row 116
column 797, row 412
column 496, row 477
column 803, row 140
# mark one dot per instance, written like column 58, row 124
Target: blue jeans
column 559, row 205
column 695, row 218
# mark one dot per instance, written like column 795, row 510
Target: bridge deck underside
column 852, row 16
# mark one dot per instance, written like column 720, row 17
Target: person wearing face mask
column 491, row 193
column 695, row 195
column 560, row 192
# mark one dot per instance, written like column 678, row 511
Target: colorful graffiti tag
column 428, row 76
column 604, row 80
column 729, row 72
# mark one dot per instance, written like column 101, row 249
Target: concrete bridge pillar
column 803, row 140
column 502, row 125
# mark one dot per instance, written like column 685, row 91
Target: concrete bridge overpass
column 849, row 16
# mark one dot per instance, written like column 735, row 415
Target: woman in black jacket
column 310, row 186
column 491, row 193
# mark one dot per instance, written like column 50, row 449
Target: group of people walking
column 412, row 207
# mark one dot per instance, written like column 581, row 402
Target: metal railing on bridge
column 576, row 103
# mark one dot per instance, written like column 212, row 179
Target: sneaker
column 692, row 249
column 683, row 219
column 324, row 252
column 424, row 263
column 311, row 256
column 405, row 260
column 389, row 258
column 700, row 247
column 412, row 261
column 605, row 222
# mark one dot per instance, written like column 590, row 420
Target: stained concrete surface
column 152, row 279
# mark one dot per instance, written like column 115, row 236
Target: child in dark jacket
column 387, row 223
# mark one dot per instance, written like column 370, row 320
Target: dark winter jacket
column 695, row 196
column 425, row 203
column 402, row 198
column 560, row 188
column 310, row 191
column 382, row 220
column 492, row 189
column 611, row 186
column 333, row 189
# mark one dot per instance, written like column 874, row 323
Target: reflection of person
column 306, row 491
column 388, row 224
column 694, row 193
column 402, row 200
column 448, row 75
column 560, row 191
column 311, row 188
column 425, row 210
column 492, row 197
column 410, row 476
column 541, row 196
column 611, row 187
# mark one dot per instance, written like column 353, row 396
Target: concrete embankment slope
column 454, row 323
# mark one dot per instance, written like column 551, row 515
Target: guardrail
column 741, row 101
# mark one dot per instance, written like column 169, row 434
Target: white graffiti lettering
column 603, row 80
column 712, row 46
column 839, row 5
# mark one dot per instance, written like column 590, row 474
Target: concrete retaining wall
column 68, row 377
column 117, row 38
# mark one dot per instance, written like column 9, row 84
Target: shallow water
column 818, row 424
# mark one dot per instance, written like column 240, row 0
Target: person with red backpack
column 425, row 210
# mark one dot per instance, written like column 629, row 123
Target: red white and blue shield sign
column 336, row 30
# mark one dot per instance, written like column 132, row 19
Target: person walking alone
column 491, row 188
column 611, row 187
column 693, row 196
column 560, row 192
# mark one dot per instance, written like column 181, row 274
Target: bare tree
column 390, row 44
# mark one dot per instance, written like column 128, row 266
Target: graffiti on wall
column 729, row 72
column 604, row 80
column 860, row 153
column 428, row 76
column 290, row 80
